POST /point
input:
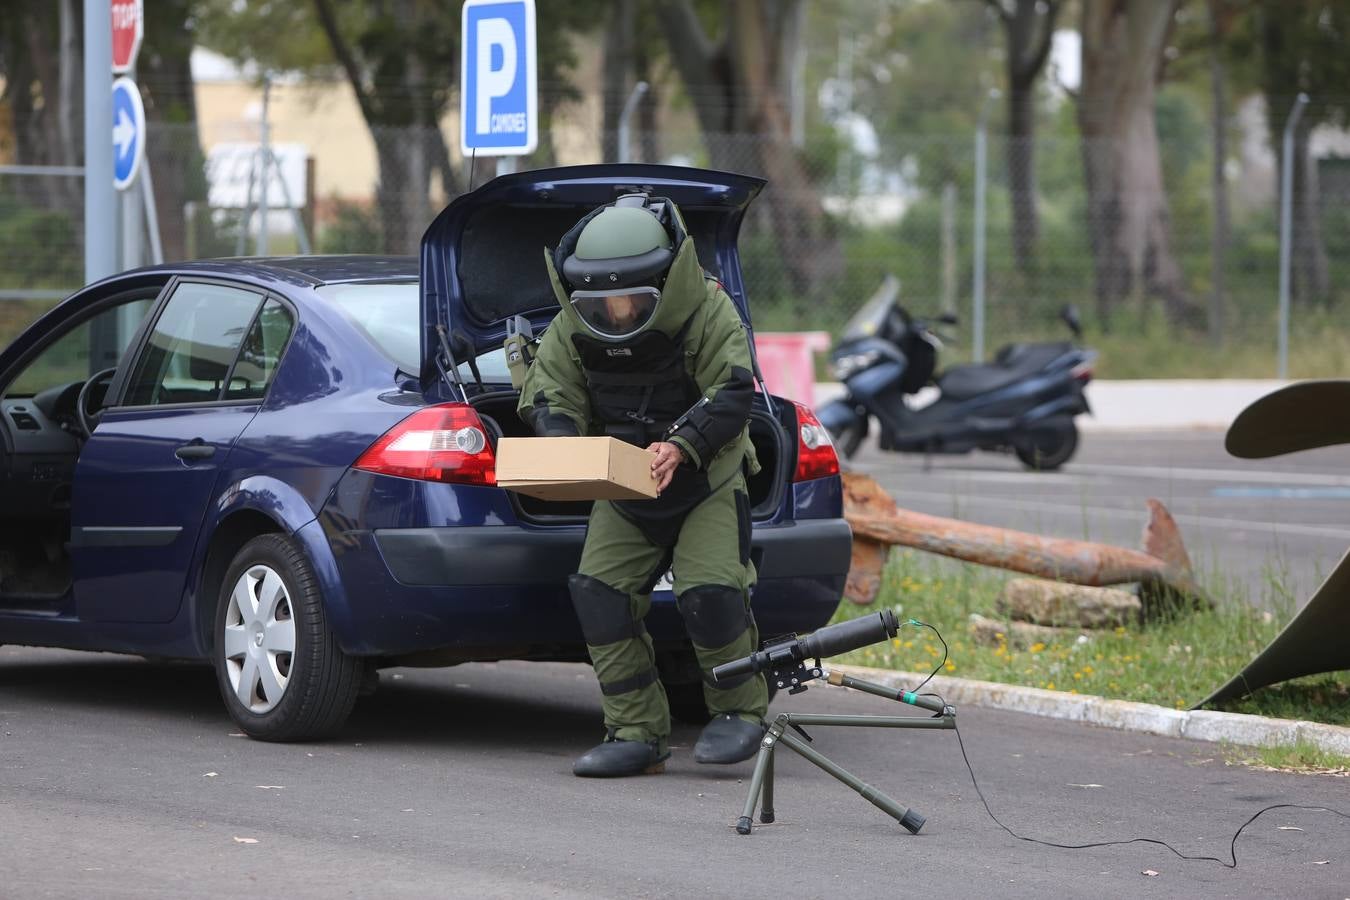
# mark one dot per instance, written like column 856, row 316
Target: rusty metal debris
column 1162, row 568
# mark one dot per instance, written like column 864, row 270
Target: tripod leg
column 763, row 766
column 910, row 819
column 766, row 807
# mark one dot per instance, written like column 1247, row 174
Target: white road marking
column 1140, row 515
column 1169, row 473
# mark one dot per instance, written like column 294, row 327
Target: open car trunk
column 769, row 435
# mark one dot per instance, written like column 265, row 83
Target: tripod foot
column 743, row 825
column 766, row 817
column 912, row 821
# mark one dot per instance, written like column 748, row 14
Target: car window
column 390, row 315
column 193, row 345
column 261, row 353
column 95, row 344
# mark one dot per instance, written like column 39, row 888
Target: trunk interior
column 769, row 435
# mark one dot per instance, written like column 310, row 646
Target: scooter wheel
column 848, row 439
column 1047, row 446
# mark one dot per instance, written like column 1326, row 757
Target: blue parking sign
column 498, row 105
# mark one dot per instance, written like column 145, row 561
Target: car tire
column 281, row 673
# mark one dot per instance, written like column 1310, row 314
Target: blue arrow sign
column 128, row 132
column 498, row 106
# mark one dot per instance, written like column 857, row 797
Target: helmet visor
column 618, row 313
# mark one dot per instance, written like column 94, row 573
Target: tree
column 735, row 85
column 1028, row 30
column 40, row 59
column 173, row 149
column 1302, row 46
column 401, row 60
column 1123, row 48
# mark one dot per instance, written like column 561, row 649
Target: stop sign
column 128, row 26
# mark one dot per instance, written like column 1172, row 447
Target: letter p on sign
column 498, row 87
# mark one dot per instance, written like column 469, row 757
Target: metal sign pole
column 100, row 212
column 265, row 153
column 1286, row 231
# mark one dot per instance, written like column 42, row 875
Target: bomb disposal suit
column 649, row 349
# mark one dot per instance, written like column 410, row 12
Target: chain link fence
column 831, row 224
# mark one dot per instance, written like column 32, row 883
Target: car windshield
column 389, row 314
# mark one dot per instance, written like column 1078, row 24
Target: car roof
column 313, row 270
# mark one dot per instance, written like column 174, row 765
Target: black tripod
column 785, row 666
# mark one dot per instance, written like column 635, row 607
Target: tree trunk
column 402, row 196
column 1021, row 152
column 1029, row 29
column 173, row 148
column 1128, row 219
column 745, row 122
column 616, row 78
column 1308, row 253
column 1220, row 230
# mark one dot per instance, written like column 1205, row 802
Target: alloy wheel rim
column 259, row 639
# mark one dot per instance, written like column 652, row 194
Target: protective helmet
column 618, row 264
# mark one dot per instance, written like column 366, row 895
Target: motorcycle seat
column 1012, row 363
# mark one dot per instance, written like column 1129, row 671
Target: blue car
column 284, row 466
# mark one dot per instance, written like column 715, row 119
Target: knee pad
column 605, row 614
column 714, row 614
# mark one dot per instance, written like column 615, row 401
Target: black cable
column 943, row 662
column 1232, row 850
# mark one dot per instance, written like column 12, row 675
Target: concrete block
column 1054, row 603
column 1129, row 716
column 1331, row 738
column 1239, row 728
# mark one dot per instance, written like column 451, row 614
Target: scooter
column 1023, row 402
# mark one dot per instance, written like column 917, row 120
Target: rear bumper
column 414, row 566
column 501, row 591
column 491, row 555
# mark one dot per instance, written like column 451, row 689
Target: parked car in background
column 284, row 466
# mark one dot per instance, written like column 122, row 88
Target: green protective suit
column 699, row 527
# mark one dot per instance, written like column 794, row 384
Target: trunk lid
column 482, row 257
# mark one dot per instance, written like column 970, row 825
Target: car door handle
column 195, row 451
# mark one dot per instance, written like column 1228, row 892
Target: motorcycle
column 1023, row 402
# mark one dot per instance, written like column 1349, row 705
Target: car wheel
column 281, row 672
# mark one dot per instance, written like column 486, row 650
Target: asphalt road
column 1267, row 531
column 123, row 778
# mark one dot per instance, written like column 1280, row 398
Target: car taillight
column 439, row 443
column 815, row 451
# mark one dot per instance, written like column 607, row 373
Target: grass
column 1301, row 757
column 1174, row 662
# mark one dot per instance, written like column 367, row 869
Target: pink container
column 787, row 359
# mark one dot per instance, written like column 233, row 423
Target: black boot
column 617, row 759
column 728, row 739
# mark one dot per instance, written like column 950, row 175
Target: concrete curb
column 1195, row 725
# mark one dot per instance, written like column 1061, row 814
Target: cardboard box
column 575, row 468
